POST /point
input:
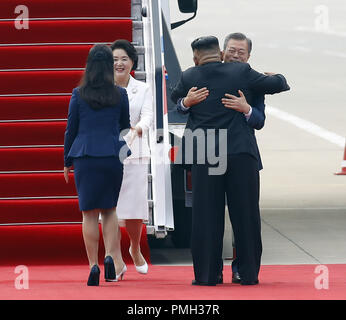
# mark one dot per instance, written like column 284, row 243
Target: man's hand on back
column 195, row 96
column 236, row 103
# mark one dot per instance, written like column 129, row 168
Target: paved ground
column 303, row 203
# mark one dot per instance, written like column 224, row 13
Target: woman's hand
column 131, row 136
column 66, row 172
column 139, row 131
column 135, row 131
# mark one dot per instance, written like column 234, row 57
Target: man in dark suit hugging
column 223, row 134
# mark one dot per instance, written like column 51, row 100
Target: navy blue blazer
column 256, row 121
column 91, row 132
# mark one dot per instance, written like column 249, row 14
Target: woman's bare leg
column 111, row 238
column 91, row 235
column 134, row 229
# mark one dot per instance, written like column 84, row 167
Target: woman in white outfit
column 133, row 198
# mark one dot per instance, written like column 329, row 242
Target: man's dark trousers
column 240, row 183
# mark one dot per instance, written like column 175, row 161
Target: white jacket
column 141, row 114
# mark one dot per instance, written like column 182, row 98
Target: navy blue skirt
column 98, row 181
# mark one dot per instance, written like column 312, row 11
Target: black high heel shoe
column 110, row 274
column 94, row 276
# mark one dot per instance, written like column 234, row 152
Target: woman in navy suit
column 98, row 112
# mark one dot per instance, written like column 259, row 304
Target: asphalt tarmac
column 303, row 204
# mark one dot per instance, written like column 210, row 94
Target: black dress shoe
column 200, row 283
column 110, row 274
column 248, row 283
column 94, row 276
column 236, row 277
column 219, row 279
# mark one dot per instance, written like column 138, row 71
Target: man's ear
column 195, row 60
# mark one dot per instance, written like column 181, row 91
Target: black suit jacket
column 221, row 78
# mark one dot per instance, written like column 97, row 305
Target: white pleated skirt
column 133, row 196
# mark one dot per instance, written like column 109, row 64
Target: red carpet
column 54, row 244
column 45, row 210
column 30, row 159
column 43, row 107
column 29, row 82
column 32, row 133
column 40, row 185
column 68, row 8
column 36, row 82
column 67, row 31
column 283, row 282
column 73, row 56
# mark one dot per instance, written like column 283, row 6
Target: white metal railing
column 162, row 208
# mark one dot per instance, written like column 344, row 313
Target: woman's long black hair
column 97, row 86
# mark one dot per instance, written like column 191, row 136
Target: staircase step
column 66, row 31
column 67, row 8
column 55, row 244
column 34, row 107
column 42, row 244
column 36, row 185
column 39, row 82
column 31, row 159
column 32, row 133
column 43, row 57
column 39, row 211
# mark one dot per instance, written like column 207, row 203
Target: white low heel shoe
column 143, row 269
column 121, row 274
